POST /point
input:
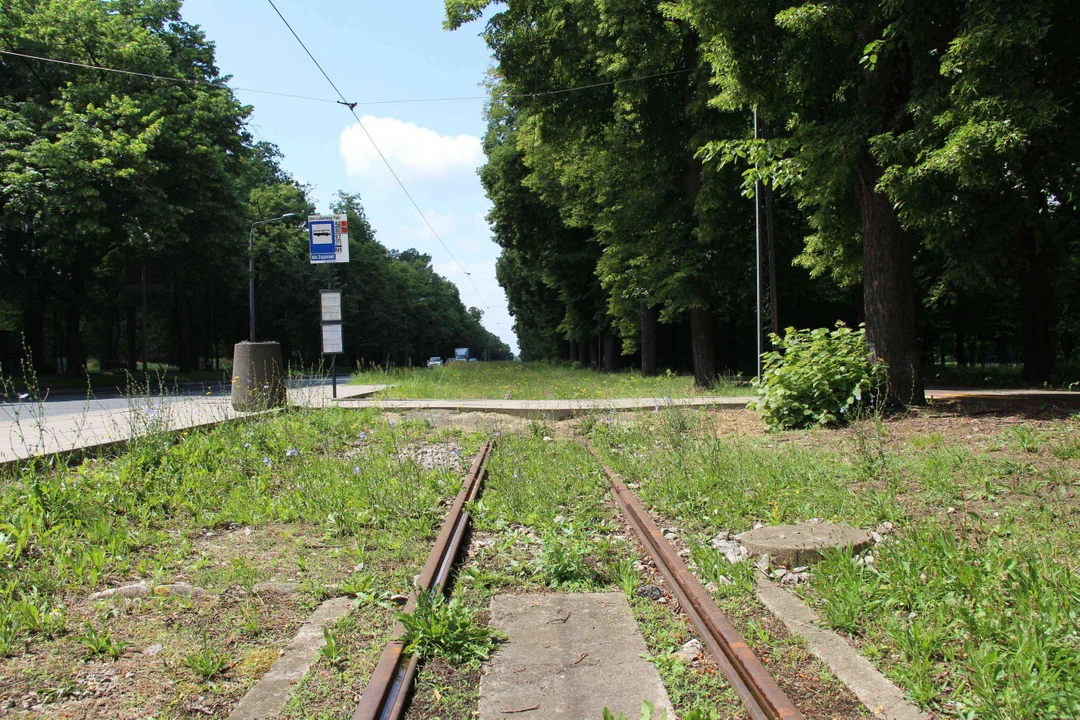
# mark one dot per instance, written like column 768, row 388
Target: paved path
column 64, row 425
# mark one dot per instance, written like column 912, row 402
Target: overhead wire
column 361, row 103
column 152, row 76
column 352, row 109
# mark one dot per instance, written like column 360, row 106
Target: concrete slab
column 267, row 698
column 568, row 656
column 552, row 409
column 793, row 545
column 873, row 689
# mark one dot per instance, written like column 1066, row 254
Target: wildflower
column 515, row 476
column 363, row 435
column 656, row 409
column 292, row 452
column 247, row 445
column 266, row 461
column 23, row 396
column 356, row 471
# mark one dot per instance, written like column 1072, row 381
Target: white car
column 434, row 362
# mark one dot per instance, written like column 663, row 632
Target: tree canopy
column 914, row 165
column 126, row 203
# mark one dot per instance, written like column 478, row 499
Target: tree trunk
column 961, row 352
column 1037, row 304
column 33, row 324
column 611, row 352
column 888, row 286
column 649, row 320
column 132, row 342
column 701, row 337
column 183, row 331
column 573, row 351
column 592, row 352
column 76, row 358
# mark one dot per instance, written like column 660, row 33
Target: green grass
column 973, row 607
column 532, row 381
column 314, row 498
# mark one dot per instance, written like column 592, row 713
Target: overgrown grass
column 973, row 605
column 315, row 498
column 532, row 381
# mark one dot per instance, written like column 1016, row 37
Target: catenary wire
column 352, row 109
column 152, row 76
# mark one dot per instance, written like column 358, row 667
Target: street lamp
column 251, row 272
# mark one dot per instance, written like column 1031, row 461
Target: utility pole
column 757, row 257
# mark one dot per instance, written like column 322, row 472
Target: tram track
column 387, row 693
column 758, row 690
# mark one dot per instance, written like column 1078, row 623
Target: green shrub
column 437, row 628
column 817, row 377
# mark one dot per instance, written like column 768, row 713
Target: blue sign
column 322, row 240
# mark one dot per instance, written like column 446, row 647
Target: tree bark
column 33, row 324
column 592, row 352
column 1037, row 304
column 888, row 286
column 132, row 342
column 76, row 357
column 573, row 351
column 183, row 331
column 611, row 352
column 649, row 320
column 961, row 352
column 701, row 338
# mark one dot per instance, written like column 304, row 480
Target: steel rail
column 388, row 689
column 759, row 692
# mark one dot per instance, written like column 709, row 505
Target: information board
column 333, row 340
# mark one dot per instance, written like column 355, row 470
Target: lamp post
column 251, row 272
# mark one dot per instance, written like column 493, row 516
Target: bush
column 817, row 377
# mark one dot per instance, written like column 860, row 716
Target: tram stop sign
column 328, row 238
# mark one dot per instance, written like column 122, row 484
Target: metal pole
column 333, row 358
column 757, row 255
column 145, row 311
column 251, row 283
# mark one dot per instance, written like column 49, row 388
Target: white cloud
column 414, row 152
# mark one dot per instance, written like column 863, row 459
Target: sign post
column 328, row 243
column 333, row 339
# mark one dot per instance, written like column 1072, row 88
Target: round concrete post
column 258, row 376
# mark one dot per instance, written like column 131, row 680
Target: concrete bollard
column 258, row 376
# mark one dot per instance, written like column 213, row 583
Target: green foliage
column 331, row 650
column 207, row 663
column 990, row 624
column 446, row 629
column 569, row 557
column 101, row 643
column 648, row 712
column 818, row 377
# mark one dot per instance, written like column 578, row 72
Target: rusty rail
column 763, row 698
column 387, row 691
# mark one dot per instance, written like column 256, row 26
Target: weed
column 98, row 644
column 331, row 650
column 437, row 628
column 249, row 624
column 569, row 558
column 626, row 576
column 207, row 663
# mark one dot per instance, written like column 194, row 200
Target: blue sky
column 374, row 51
